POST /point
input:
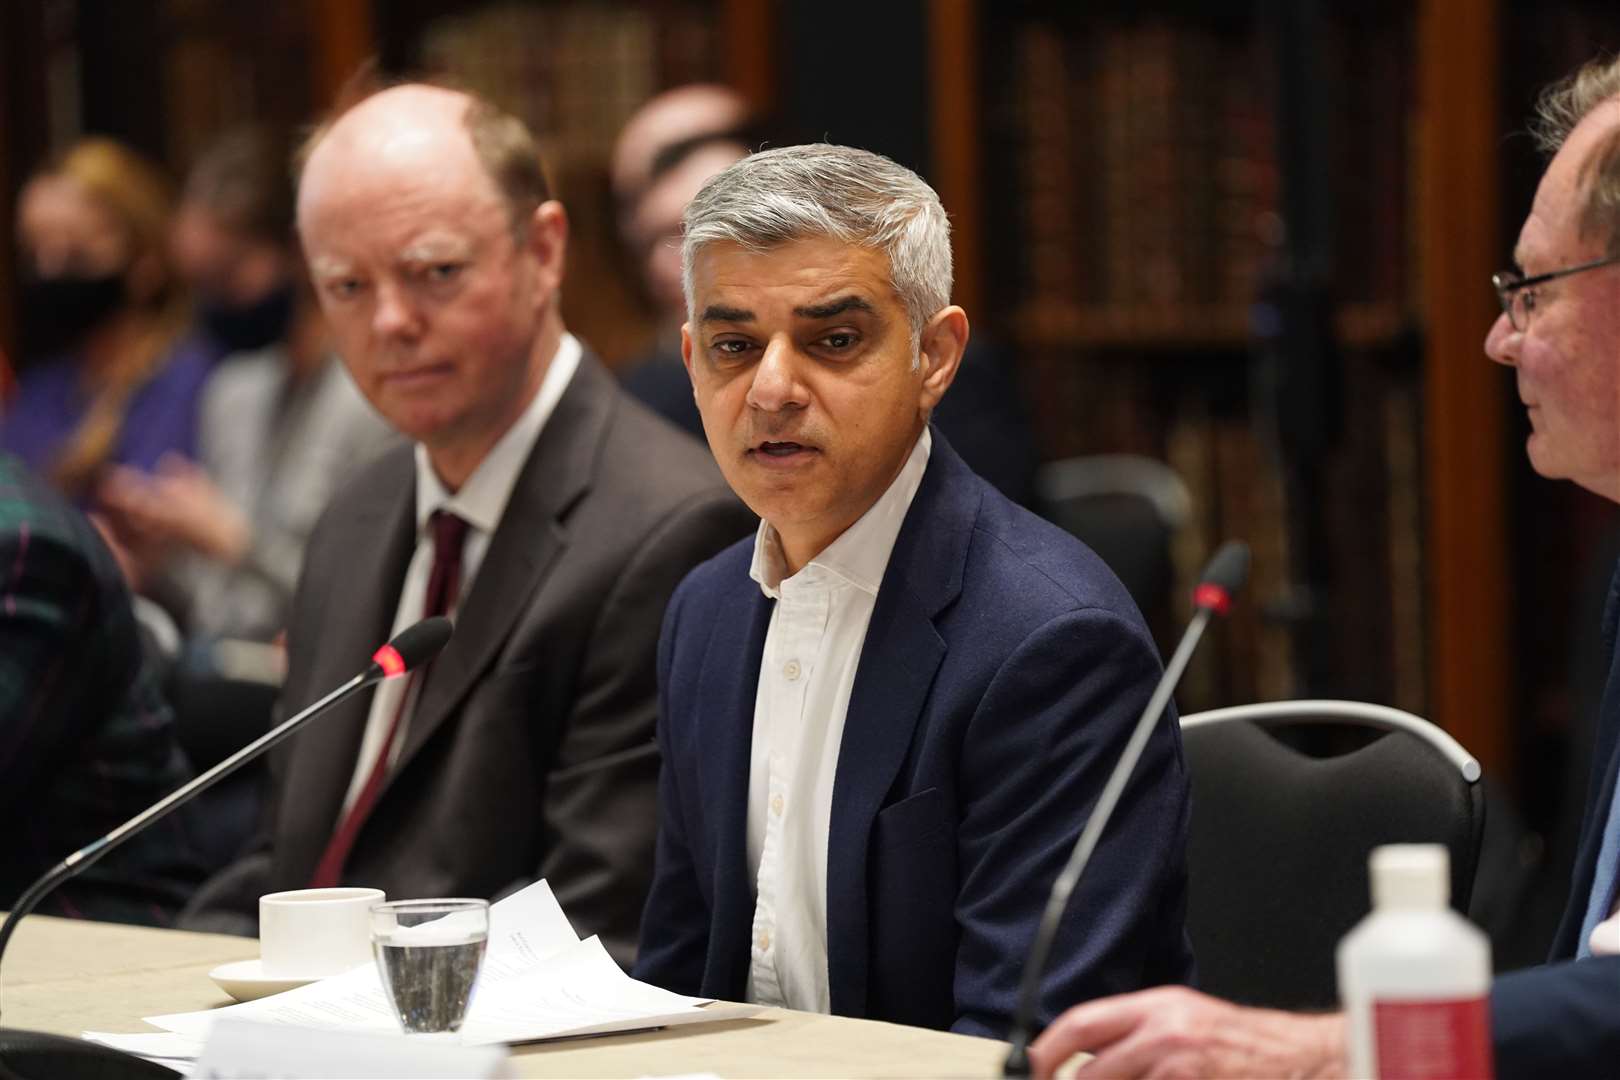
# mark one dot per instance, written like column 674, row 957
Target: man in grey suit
column 543, row 509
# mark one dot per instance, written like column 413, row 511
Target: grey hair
column 1560, row 108
column 819, row 190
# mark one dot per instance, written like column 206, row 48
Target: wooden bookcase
column 1438, row 589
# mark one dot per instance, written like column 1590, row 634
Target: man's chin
column 1542, row 461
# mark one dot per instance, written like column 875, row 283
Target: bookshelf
column 1115, row 172
column 1125, row 290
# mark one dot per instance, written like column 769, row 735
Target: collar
column 861, row 553
column 482, row 499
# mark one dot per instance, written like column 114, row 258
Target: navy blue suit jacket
column 1002, row 672
column 1563, row 1018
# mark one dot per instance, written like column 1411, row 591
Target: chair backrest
column 1127, row 509
column 1279, row 839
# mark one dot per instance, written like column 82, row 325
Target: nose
column 776, row 385
column 394, row 316
column 1502, row 342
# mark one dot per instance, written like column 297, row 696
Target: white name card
column 245, row 1050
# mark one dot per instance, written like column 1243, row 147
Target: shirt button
column 791, row 669
column 776, row 805
column 764, row 940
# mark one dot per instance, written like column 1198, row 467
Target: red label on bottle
column 1433, row 1040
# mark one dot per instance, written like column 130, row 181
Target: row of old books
column 1145, row 179
column 574, row 71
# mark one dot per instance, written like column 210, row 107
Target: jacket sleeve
column 675, row 924
column 601, row 804
column 1053, row 722
column 1559, row 1019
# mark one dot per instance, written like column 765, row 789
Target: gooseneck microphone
column 1222, row 578
column 410, row 649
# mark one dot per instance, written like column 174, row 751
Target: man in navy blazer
column 1560, row 332
column 885, row 718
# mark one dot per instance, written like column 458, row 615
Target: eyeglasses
column 1518, row 293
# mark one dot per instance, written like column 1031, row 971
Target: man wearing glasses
column 1560, row 332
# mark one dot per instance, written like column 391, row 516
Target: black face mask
column 57, row 312
column 246, row 328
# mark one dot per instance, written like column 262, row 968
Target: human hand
column 135, row 562
column 1172, row 1032
column 177, row 505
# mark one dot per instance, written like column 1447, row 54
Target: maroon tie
column 444, row 583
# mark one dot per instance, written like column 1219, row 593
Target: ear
column 686, row 353
column 940, row 348
column 547, row 240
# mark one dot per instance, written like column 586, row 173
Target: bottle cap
column 1410, row 876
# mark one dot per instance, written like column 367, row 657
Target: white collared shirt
column 1605, row 939
column 812, row 649
column 480, row 502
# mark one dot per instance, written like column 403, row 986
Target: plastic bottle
column 1414, row 976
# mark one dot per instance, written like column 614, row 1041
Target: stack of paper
column 539, row 981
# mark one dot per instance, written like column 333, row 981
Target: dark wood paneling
column 1466, row 545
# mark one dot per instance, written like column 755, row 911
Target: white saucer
column 245, row 980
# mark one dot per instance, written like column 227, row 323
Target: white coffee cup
column 312, row 933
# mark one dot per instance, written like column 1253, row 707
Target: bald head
column 405, row 131
column 672, row 117
column 403, row 124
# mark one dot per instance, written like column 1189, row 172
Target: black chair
column 220, row 707
column 34, row 1055
column 1128, row 510
column 1279, row 839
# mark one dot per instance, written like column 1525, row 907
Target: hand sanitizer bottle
column 1414, row 976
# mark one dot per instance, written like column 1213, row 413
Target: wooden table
column 68, row 977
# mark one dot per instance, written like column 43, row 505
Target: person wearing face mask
column 111, row 374
column 281, row 423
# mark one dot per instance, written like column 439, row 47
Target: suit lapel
column 1600, row 791
column 528, row 540
column 725, row 699
column 322, row 757
column 899, row 660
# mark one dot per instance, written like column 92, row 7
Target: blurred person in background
column 281, row 424
column 667, row 151
column 111, row 373
column 86, row 741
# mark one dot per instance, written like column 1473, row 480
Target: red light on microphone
column 390, row 661
column 1213, row 597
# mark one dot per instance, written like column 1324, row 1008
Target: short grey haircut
column 1560, row 108
column 819, row 190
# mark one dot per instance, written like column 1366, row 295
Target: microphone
column 1222, row 578
column 410, row 649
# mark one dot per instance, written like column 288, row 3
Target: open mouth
column 782, row 453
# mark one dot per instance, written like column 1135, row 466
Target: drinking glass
column 428, row 954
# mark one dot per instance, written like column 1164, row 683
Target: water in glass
column 428, row 957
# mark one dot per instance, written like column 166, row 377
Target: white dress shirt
column 1605, row 939
column 812, row 648
column 480, row 503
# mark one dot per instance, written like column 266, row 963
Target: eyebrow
column 326, row 266
column 436, row 249
column 721, row 313
column 835, row 307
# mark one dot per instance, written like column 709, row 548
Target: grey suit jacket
column 531, row 750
